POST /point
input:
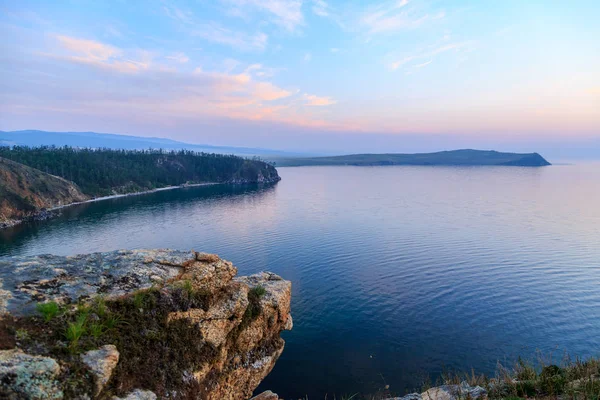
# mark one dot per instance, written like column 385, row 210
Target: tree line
column 100, row 172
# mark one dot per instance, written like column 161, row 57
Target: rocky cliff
column 140, row 324
column 25, row 192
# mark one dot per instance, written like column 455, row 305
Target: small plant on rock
column 22, row 334
column 100, row 307
column 48, row 310
column 258, row 291
column 75, row 330
column 96, row 330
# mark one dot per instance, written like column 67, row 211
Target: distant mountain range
column 34, row 138
column 455, row 157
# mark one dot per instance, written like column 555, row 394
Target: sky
column 309, row 75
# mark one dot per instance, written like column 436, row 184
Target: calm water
column 397, row 272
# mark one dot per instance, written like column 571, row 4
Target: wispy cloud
column 431, row 53
column 284, row 13
column 179, row 57
column 88, row 49
column 392, row 16
column 114, row 32
column 106, row 80
column 313, row 100
column 321, row 8
column 177, row 14
column 423, row 64
column 92, row 52
column 217, row 33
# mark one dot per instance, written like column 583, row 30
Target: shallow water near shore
column 398, row 272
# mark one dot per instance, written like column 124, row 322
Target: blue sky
column 307, row 75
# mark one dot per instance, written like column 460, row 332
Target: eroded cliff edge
column 137, row 324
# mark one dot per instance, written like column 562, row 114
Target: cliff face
column 25, row 191
column 256, row 172
column 137, row 324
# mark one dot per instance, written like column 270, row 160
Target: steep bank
column 137, row 323
column 26, row 191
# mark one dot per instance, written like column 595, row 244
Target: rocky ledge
column 444, row 392
column 140, row 324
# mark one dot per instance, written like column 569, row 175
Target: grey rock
column 448, row 392
column 412, row 396
column 4, row 297
column 267, row 395
column 23, row 376
column 454, row 392
column 101, row 362
column 29, row 280
column 138, row 395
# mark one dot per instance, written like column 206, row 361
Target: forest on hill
column 101, row 172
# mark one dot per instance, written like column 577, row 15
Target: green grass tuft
column 75, row 330
column 96, row 330
column 48, row 310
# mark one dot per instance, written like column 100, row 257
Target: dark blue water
column 398, row 272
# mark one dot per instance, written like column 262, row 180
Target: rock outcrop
column 448, row 392
column 138, row 324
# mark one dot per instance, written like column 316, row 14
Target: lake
column 397, row 272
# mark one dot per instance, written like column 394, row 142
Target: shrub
column 258, row 291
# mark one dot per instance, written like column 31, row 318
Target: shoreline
column 117, row 196
column 43, row 215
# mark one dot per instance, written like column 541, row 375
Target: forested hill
column 101, row 172
column 465, row 157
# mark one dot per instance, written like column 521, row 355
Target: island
column 37, row 180
column 466, row 157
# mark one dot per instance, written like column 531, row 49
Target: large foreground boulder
column 138, row 324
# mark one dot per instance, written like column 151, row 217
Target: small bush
column 524, row 371
column 258, row 291
column 48, row 310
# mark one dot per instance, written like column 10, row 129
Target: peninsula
column 465, row 157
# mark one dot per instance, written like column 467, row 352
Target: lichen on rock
column 142, row 323
column 23, row 376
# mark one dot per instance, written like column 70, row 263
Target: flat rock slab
column 25, row 281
